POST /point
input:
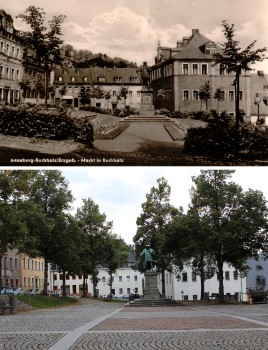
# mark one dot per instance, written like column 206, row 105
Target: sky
column 120, row 191
column 131, row 29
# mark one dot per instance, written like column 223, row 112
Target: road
column 93, row 324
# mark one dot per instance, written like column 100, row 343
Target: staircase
column 23, row 307
column 154, row 118
column 153, row 303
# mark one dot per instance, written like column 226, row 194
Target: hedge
column 49, row 124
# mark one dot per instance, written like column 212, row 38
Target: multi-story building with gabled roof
column 179, row 73
column 11, row 51
column 74, row 80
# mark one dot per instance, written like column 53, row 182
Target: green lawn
column 41, row 301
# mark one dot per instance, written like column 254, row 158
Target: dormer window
column 77, row 71
column 73, row 79
column 101, row 79
column 65, row 71
column 133, row 79
column 60, row 79
column 84, row 78
column 210, row 50
column 118, row 79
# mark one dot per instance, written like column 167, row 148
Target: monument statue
column 147, row 254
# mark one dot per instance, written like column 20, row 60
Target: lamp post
column 182, row 295
column 257, row 101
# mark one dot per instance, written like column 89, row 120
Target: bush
column 40, row 123
column 258, row 295
column 222, row 138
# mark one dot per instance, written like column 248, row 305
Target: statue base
column 151, row 290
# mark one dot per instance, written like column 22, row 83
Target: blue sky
column 120, row 191
column 132, row 28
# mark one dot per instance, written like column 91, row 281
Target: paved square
column 95, row 324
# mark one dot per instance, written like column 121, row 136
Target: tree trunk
column 202, row 279
column 94, row 281
column 237, row 113
column 221, row 287
column 1, row 270
column 64, row 283
column 84, row 286
column 111, row 283
column 163, row 282
column 45, row 277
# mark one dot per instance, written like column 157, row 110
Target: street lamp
column 182, row 295
column 257, row 99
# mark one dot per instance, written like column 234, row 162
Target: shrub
column 258, row 294
column 222, row 138
column 40, row 123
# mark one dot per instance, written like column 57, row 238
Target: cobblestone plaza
column 106, row 325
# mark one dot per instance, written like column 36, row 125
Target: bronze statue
column 148, row 253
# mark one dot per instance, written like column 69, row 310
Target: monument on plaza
column 147, row 93
column 150, row 286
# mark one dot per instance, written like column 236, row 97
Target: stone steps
column 153, row 118
column 152, row 303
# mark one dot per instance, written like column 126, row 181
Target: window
column 7, row 73
column 235, row 273
column 77, row 71
column 60, row 79
column 118, row 79
column 120, row 290
column 65, row 71
column 24, row 282
column 222, row 69
column 32, row 264
column 120, row 278
column 128, row 290
column 240, row 95
column 210, row 50
column 114, row 93
column 195, row 94
column 195, row 68
column 28, row 264
column 101, row 79
column 29, row 282
column 193, row 277
column 18, row 74
column 128, row 278
column 231, row 95
column 204, row 69
column 186, row 95
column 133, row 79
column 11, row 263
column 227, row 275
column 103, row 279
column 135, row 278
column 184, row 277
column 84, row 78
column 185, row 68
column 72, row 79
column 259, row 267
column 130, row 93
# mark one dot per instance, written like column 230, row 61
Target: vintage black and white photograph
column 140, row 82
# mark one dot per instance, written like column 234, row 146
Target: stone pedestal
column 150, row 286
column 146, row 107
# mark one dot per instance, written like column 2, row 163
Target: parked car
column 55, row 293
column 126, row 296
column 109, row 296
column 18, row 291
column 33, row 291
column 6, row 290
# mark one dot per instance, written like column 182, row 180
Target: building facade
column 71, row 82
column 11, row 51
column 180, row 72
column 10, row 269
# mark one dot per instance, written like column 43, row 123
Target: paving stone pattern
column 101, row 325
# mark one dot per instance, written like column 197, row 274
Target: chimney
column 195, row 31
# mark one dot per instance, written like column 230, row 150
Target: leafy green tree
column 152, row 223
column 51, row 194
column 205, row 93
column 116, row 254
column 235, row 221
column 44, row 43
column 123, row 92
column 95, row 229
column 68, row 241
column 237, row 60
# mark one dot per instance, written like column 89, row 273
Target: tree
column 218, row 95
column 237, row 60
column 95, row 230
column 235, row 221
column 116, row 254
column 152, row 223
column 44, row 43
column 123, row 92
column 50, row 193
column 205, row 93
